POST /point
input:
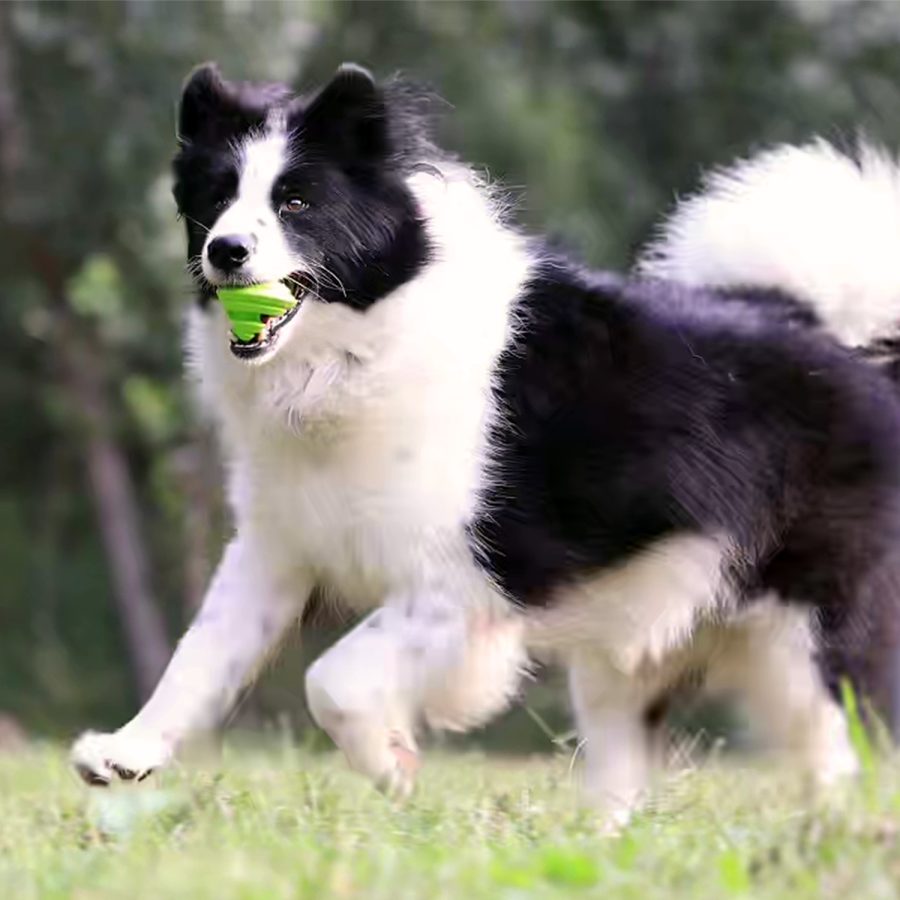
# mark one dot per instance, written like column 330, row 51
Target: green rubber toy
column 246, row 306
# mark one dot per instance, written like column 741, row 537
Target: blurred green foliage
column 605, row 110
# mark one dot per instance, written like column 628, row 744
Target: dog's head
column 310, row 191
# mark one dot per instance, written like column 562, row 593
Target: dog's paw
column 398, row 777
column 381, row 754
column 101, row 758
column 377, row 743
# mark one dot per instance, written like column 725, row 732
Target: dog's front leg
column 418, row 657
column 247, row 609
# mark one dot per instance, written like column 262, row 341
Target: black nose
column 230, row 251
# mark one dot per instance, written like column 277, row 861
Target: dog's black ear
column 208, row 105
column 349, row 118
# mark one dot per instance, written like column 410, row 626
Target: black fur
column 776, row 303
column 885, row 353
column 635, row 410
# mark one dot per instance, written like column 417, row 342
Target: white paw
column 100, row 758
column 611, row 821
column 402, row 766
column 835, row 766
column 613, row 802
column 830, row 757
column 385, row 756
column 377, row 742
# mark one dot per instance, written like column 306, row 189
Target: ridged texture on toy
column 245, row 306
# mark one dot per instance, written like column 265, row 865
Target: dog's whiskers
column 194, row 266
column 204, row 228
column 318, row 269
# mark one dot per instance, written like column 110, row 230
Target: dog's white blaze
column 808, row 220
column 261, row 159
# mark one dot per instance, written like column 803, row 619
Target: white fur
column 609, row 712
column 420, row 656
column 365, row 693
column 484, row 676
column 626, row 636
column 641, row 611
column 631, row 635
column 805, row 219
column 766, row 658
column 261, row 159
column 762, row 657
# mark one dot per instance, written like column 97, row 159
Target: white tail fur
column 809, row 220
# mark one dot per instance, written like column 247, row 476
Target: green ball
column 245, row 306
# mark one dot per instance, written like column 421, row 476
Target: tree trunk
column 117, row 513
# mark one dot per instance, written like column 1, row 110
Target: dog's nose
column 230, row 251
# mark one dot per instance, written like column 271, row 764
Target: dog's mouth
column 267, row 338
column 264, row 342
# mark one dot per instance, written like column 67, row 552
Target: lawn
column 288, row 823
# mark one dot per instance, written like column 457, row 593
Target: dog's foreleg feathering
column 247, row 610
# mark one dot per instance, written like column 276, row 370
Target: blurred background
column 111, row 516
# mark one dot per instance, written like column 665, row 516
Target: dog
column 498, row 455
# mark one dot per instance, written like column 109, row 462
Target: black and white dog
column 502, row 455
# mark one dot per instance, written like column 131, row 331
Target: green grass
column 291, row 824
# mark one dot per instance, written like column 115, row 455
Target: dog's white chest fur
column 368, row 518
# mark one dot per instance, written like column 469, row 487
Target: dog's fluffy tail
column 811, row 221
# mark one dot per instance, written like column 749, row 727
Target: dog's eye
column 221, row 203
column 293, row 205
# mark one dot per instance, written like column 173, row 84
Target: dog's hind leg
column 248, row 608
column 767, row 659
column 611, row 713
column 419, row 657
